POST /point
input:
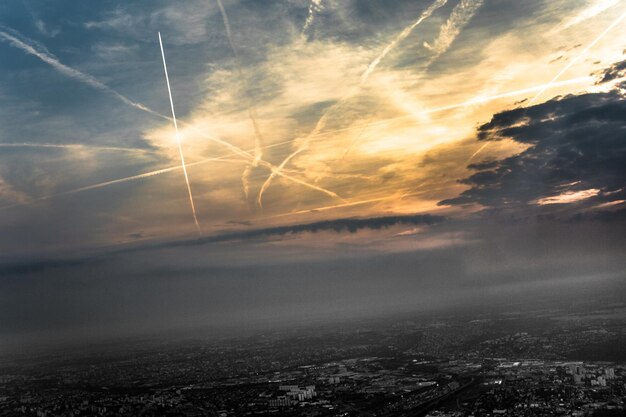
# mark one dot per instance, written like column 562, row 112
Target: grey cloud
column 350, row 225
column 615, row 71
column 575, row 143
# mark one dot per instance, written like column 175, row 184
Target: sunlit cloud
column 569, row 197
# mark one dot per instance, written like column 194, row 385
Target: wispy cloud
column 587, row 13
column 321, row 123
column 459, row 18
column 35, row 49
column 315, row 6
column 400, row 37
column 258, row 137
column 8, row 194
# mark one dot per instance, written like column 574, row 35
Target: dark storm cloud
column 576, row 142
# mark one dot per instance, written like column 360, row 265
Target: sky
column 342, row 158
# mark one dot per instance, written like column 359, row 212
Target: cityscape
column 539, row 363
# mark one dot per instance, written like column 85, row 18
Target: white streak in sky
column 587, row 13
column 314, row 7
column 180, row 146
column 77, row 146
column 37, row 50
column 321, row 123
column 118, row 181
column 459, row 18
column 400, row 37
column 33, row 48
column 581, row 55
column 258, row 138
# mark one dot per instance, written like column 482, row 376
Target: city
column 495, row 364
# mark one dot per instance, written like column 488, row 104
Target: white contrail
column 554, row 82
column 476, row 153
column 50, row 59
column 459, row 18
column 119, row 181
column 77, row 146
column 160, row 171
column 474, row 101
column 180, row 146
column 321, row 123
column 314, row 7
column 258, row 138
column 35, row 49
column 400, row 37
column 583, row 53
column 586, row 14
column 395, row 196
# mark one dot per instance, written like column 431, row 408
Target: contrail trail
column 321, row 123
column 395, row 196
column 336, row 206
column 553, row 82
column 314, row 7
column 586, row 14
column 477, row 100
column 459, row 18
column 50, row 59
column 35, row 49
column 74, row 146
column 401, row 36
column 583, row 53
column 222, row 158
column 474, row 101
column 118, row 181
column 180, row 146
column 476, row 153
column 258, row 138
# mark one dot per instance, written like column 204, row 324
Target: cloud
column 459, row 18
column 614, row 72
column 349, row 225
column 575, row 154
column 587, row 13
column 8, row 194
column 185, row 23
column 45, row 30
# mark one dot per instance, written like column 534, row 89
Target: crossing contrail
column 460, row 16
column 258, row 137
column 180, row 146
column 321, row 123
column 118, row 181
column 471, row 102
column 34, row 48
column 583, row 53
column 222, row 158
